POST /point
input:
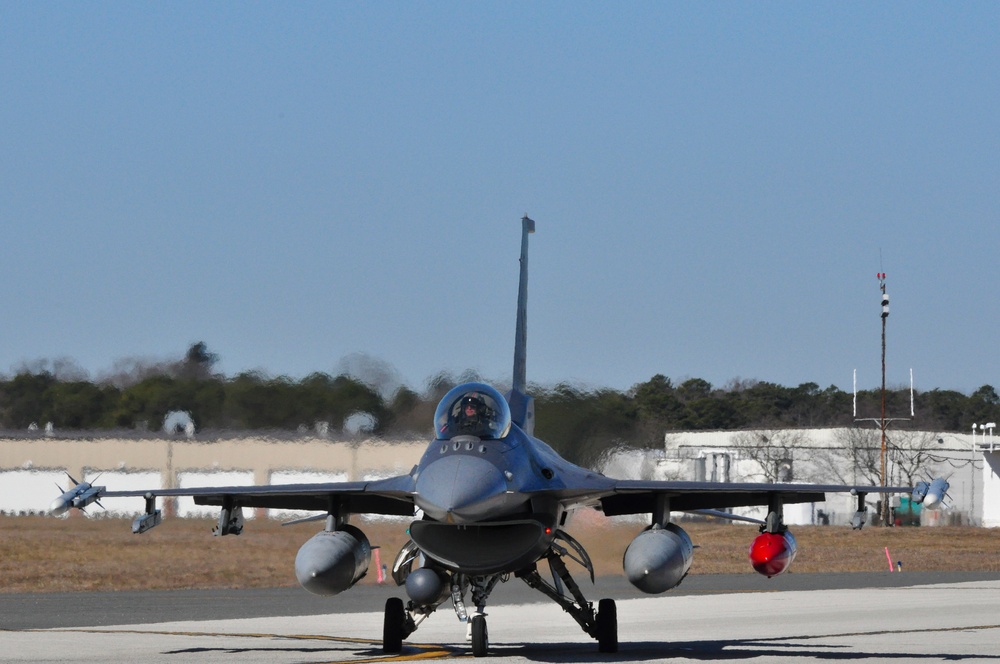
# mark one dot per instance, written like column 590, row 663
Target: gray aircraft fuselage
column 492, row 505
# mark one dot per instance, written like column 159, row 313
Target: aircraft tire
column 480, row 636
column 392, row 626
column 607, row 626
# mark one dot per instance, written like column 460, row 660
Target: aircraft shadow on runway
column 340, row 649
column 728, row 650
column 788, row 648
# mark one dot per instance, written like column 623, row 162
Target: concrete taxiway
column 887, row 621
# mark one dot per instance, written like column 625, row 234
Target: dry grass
column 722, row 548
column 44, row 554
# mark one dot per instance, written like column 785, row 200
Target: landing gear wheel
column 392, row 626
column 607, row 626
column 480, row 637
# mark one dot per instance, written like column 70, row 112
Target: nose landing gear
column 480, row 636
column 601, row 624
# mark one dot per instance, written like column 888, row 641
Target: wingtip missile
column 59, row 506
column 936, row 493
column 931, row 495
column 79, row 496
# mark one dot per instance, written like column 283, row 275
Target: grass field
column 46, row 554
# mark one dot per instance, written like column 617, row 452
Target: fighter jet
column 493, row 502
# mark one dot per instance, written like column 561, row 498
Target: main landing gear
column 601, row 624
column 394, row 628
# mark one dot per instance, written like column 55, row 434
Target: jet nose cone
column 460, row 488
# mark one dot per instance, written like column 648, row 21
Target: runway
column 888, row 621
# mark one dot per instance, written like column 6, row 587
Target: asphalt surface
column 714, row 618
column 21, row 611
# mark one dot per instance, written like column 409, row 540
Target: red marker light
column 772, row 553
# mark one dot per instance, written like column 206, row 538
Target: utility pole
column 972, row 465
column 885, row 314
column 882, row 422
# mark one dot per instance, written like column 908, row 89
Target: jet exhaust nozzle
column 658, row 558
column 333, row 560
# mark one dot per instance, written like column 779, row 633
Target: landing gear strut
column 601, row 624
column 399, row 621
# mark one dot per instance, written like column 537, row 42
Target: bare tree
column 857, row 458
column 911, row 452
column 772, row 450
column 370, row 370
column 62, row 369
column 861, row 447
column 129, row 371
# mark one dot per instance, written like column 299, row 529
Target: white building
column 839, row 455
column 31, row 467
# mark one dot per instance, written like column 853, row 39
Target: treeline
column 579, row 423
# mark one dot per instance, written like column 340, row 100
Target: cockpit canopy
column 472, row 409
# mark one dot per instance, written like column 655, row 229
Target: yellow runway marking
column 424, row 651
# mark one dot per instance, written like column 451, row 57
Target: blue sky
column 715, row 185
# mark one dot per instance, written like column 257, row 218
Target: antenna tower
column 882, row 421
column 885, row 315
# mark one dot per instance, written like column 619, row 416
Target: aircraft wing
column 389, row 496
column 640, row 496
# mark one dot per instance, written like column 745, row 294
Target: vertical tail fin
column 521, row 332
column 521, row 405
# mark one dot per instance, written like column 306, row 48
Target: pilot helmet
column 472, row 409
